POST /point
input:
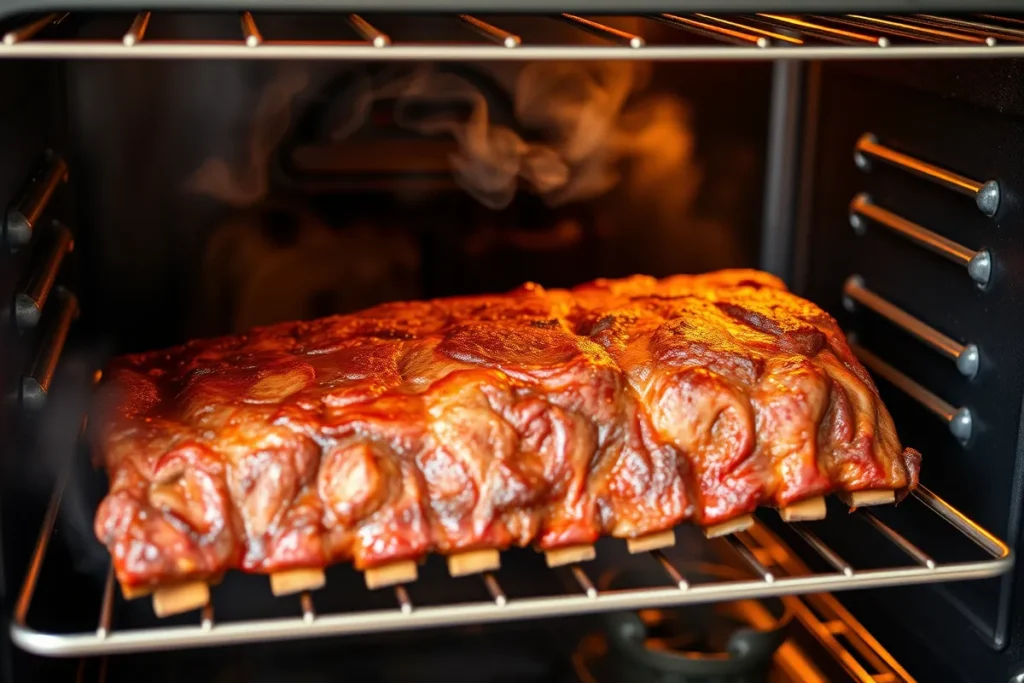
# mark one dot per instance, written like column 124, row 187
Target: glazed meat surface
column 546, row 417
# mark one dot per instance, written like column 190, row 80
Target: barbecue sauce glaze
column 620, row 407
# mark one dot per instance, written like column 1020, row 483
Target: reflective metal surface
column 368, row 31
column 966, row 356
column 985, row 193
column 36, row 383
column 729, row 37
column 491, row 31
column 137, row 30
column 250, row 31
column 28, row 208
column 959, row 420
column 32, row 297
column 977, row 263
column 766, row 582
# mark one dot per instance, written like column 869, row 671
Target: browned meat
column 620, row 407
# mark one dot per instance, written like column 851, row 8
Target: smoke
column 58, row 458
column 581, row 114
column 586, row 122
column 249, row 182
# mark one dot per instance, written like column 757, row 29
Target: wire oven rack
column 695, row 36
column 768, row 579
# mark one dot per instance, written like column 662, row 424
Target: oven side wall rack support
column 915, row 188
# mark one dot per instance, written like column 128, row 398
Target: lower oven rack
column 770, row 578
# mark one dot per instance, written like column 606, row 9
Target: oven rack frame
column 106, row 640
column 11, row 7
column 757, row 36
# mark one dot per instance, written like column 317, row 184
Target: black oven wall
column 215, row 196
column 31, row 122
column 968, row 118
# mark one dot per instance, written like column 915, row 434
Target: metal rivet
column 987, row 198
column 17, row 230
column 855, row 282
column 980, row 267
column 859, row 158
column 26, row 312
column 857, row 223
column 968, row 360
column 962, row 424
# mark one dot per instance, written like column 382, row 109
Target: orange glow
column 753, row 29
column 819, row 27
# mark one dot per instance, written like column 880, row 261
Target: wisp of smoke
column 587, row 117
column 248, row 183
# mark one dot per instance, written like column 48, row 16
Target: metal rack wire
column 767, row 580
column 698, row 36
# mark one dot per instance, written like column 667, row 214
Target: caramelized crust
column 621, row 407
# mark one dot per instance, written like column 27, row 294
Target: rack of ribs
column 543, row 417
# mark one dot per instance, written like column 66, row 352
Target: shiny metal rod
column 926, row 31
column 272, row 50
column 959, row 420
column 977, row 263
column 819, row 546
column 670, row 569
column 607, row 32
column 31, row 580
column 584, row 581
column 825, row 31
column 498, row 35
column 899, row 539
column 968, row 527
column 748, row 556
column 29, row 301
column 251, row 32
column 107, row 605
column 890, row 31
column 137, row 30
column 404, row 601
column 28, row 208
column 966, row 356
column 494, row 589
column 1007, row 20
column 704, row 28
column 30, row 29
column 975, row 27
column 750, row 28
column 368, row 31
column 308, row 611
column 206, row 617
column 985, row 194
column 36, row 384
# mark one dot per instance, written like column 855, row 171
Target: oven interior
column 195, row 196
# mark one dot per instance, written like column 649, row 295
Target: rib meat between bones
column 620, row 407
